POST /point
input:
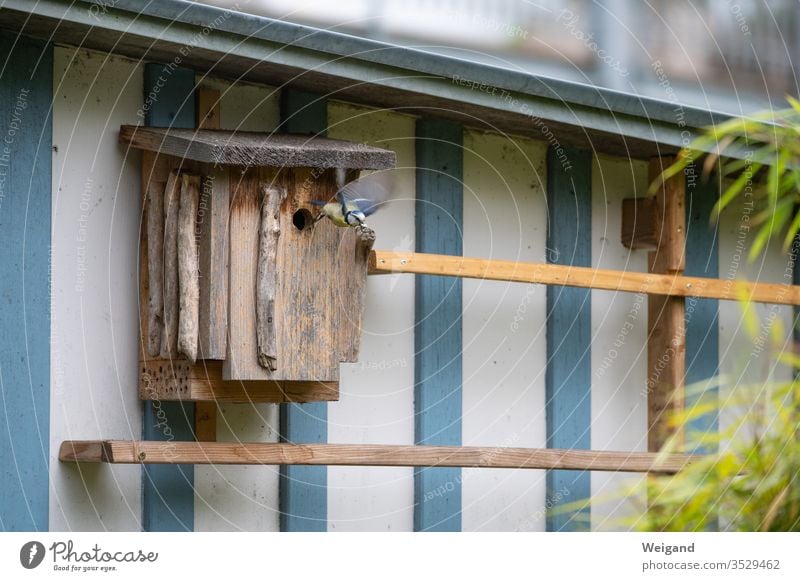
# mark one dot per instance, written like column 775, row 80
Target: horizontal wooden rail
column 383, row 262
column 139, row 452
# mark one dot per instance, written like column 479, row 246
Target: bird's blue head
column 355, row 218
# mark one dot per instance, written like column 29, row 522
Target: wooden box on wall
column 244, row 296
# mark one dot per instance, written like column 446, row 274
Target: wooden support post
column 666, row 350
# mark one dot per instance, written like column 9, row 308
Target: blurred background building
column 732, row 55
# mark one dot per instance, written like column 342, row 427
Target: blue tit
column 356, row 200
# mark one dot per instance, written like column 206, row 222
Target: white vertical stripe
column 505, row 217
column 94, row 349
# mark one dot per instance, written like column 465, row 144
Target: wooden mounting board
column 161, row 379
column 261, row 453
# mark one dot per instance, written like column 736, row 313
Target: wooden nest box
column 243, row 295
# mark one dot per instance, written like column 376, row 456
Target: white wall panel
column 94, row 351
column 505, row 217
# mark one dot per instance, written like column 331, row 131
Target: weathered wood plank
column 155, row 266
column 169, row 336
column 188, row 283
column 386, row 262
column 248, row 149
column 269, row 232
column 264, row 453
column 213, row 222
column 241, row 362
column 666, row 323
column 353, row 291
column 179, row 380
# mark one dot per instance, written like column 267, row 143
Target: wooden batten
column 262, row 453
column 665, row 284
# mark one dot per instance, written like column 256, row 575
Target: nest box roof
column 256, row 149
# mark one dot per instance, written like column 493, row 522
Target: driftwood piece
column 265, row 291
column 188, row 282
column 169, row 336
column 155, row 266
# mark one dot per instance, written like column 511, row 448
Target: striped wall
column 503, row 350
column 25, row 316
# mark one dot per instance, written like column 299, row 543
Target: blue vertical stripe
column 168, row 490
column 26, row 90
column 304, row 489
column 438, row 322
column 702, row 315
column 569, row 327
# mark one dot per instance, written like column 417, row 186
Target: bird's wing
column 368, row 192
